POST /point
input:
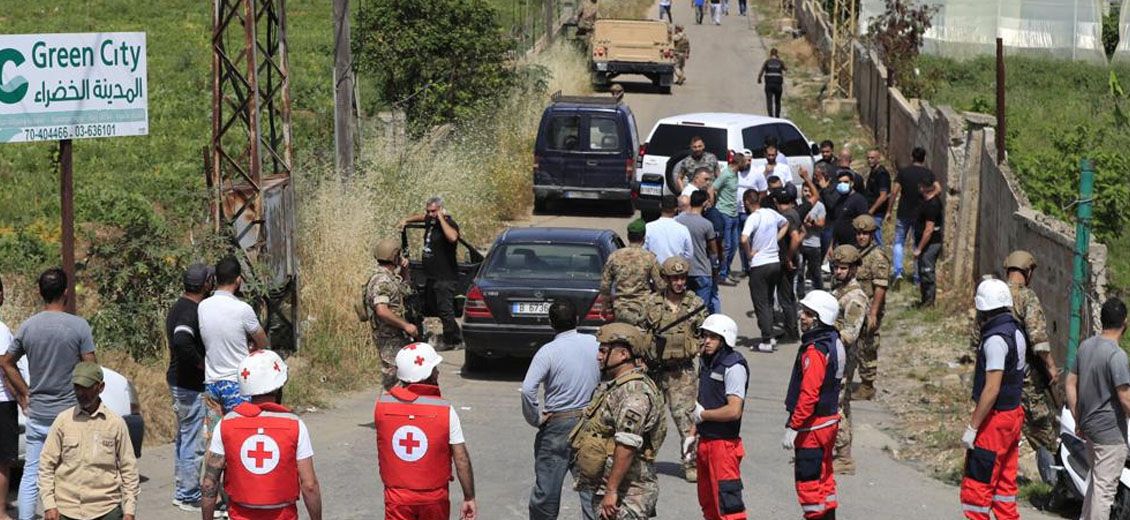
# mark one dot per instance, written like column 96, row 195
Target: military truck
column 632, row 47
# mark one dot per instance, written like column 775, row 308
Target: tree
column 441, row 61
column 897, row 36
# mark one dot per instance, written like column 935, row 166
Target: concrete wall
column 987, row 213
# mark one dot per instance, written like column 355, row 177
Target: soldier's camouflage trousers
column 637, row 503
column 843, row 435
column 680, row 66
column 868, row 357
column 630, row 312
column 1039, row 417
column 680, row 388
column 388, row 346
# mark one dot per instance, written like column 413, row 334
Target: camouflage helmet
column 675, row 266
column 386, row 250
column 845, row 254
column 1020, row 259
column 864, row 223
column 623, row 334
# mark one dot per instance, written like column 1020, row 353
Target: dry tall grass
column 482, row 171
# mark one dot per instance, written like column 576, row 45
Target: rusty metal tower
column 845, row 27
column 250, row 158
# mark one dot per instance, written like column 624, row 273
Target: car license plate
column 581, row 195
column 530, row 308
column 601, row 66
column 651, row 189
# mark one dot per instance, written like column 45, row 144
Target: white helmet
column 823, row 304
column 261, row 373
column 414, row 362
column 992, row 294
column 721, row 325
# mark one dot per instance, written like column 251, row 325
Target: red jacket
column 261, row 451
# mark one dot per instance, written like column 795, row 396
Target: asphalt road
column 721, row 75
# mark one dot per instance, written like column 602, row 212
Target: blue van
column 585, row 150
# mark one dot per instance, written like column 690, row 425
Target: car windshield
column 544, row 261
column 669, row 140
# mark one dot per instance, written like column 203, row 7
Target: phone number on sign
column 55, row 133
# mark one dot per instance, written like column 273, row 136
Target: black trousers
column 811, row 258
column 763, row 281
column 786, row 298
column 773, row 99
column 440, row 295
column 927, row 275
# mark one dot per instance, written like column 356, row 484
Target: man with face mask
column 812, row 403
column 621, row 431
column 848, row 205
column 723, row 379
column 699, row 158
column 853, row 304
column 673, row 317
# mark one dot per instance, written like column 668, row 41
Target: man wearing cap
column 621, row 431
column 812, row 403
column 566, row 368
column 631, row 275
column 186, row 385
column 674, row 317
column 853, row 304
column 384, row 307
column 789, row 249
column 419, row 437
column 261, row 451
column 723, row 379
column 87, row 470
column 54, row 341
column 665, row 237
column 873, row 275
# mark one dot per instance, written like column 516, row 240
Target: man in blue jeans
column 54, row 342
column 704, row 261
column 726, row 209
column 186, row 384
column 568, row 369
column 905, row 194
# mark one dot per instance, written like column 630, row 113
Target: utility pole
column 345, row 127
column 1080, row 268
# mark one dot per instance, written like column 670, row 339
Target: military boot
column 843, row 465
column 690, row 473
column 865, row 392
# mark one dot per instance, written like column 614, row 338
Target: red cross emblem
column 420, row 360
column 277, row 369
column 411, row 347
column 245, row 373
column 409, row 444
column 259, row 454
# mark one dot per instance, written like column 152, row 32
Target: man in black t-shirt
column 186, row 384
column 878, row 191
column 789, row 248
column 848, row 205
column 928, row 228
column 906, row 196
column 441, row 269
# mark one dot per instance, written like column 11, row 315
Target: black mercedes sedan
column 507, row 306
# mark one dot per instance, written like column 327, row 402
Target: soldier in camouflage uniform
column 672, row 366
column 682, row 44
column 631, row 276
column 699, row 158
column 622, row 429
column 586, row 19
column 853, row 312
column 873, row 276
column 384, row 307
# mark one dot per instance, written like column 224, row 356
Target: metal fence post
column 1080, row 269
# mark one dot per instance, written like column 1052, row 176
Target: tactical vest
column 774, row 72
column 712, row 392
column 1012, row 384
column 680, row 345
column 824, row 339
column 413, row 438
column 867, row 284
column 593, row 442
column 260, row 455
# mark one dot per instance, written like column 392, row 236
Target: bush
column 441, row 61
column 1110, row 31
column 897, row 35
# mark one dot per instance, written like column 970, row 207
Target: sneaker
column 191, row 507
column 765, row 347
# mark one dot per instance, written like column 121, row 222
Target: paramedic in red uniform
column 262, row 450
column 418, row 438
column 723, row 378
column 813, row 405
column 992, row 436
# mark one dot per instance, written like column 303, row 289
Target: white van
column 724, row 134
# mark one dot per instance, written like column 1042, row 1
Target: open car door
column 468, row 260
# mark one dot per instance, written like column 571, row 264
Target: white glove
column 789, row 440
column 969, row 436
column 697, row 413
column 688, row 448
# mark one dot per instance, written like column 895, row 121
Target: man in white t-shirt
column 748, row 179
column 9, row 412
column 763, row 229
column 230, row 331
column 665, row 237
column 246, row 452
column 775, row 167
column 417, row 443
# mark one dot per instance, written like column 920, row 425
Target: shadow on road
column 504, row 369
column 587, row 208
column 639, row 86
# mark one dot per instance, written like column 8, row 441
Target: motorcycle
column 1072, row 470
